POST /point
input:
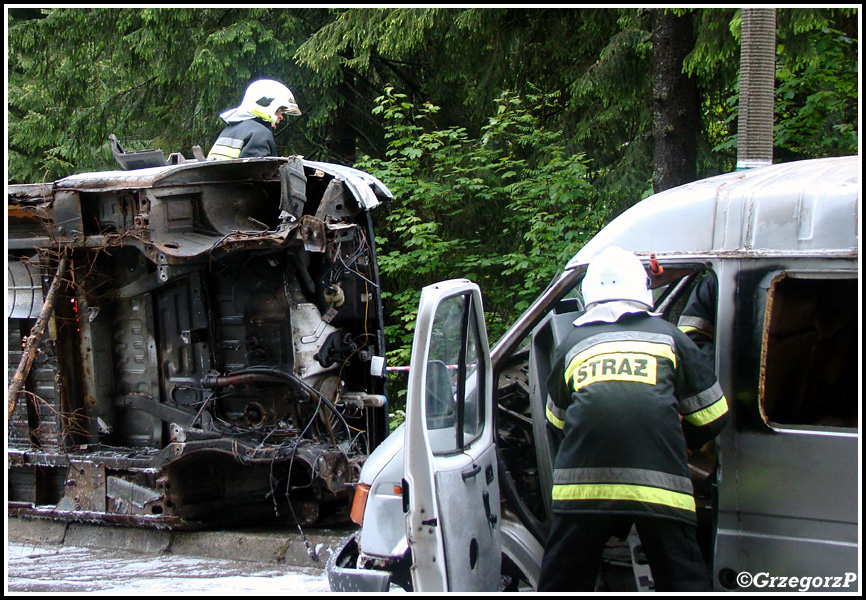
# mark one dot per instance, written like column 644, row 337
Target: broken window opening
column 809, row 360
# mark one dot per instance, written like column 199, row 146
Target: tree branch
column 35, row 337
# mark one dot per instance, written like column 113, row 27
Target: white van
column 458, row 498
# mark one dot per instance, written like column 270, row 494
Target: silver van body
column 778, row 494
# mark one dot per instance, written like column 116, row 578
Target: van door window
column 454, row 415
column 809, row 353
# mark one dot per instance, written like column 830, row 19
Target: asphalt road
column 47, row 568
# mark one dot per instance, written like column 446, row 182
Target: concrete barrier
column 35, row 531
column 284, row 546
column 146, row 541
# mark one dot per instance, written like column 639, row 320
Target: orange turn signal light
column 359, row 503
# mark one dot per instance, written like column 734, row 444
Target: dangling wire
column 348, row 264
column 314, row 556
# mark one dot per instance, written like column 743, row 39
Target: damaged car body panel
column 213, row 352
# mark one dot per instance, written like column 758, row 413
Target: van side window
column 454, row 414
column 688, row 298
column 809, row 356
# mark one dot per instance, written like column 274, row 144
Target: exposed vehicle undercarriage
column 194, row 345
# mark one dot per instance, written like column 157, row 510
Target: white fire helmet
column 616, row 274
column 262, row 99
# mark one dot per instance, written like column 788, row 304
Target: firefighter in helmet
column 630, row 393
column 249, row 131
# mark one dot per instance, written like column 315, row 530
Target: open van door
column 451, row 483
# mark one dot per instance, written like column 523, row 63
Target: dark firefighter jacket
column 244, row 139
column 617, row 391
column 698, row 319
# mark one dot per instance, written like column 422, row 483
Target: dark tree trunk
column 676, row 107
column 341, row 139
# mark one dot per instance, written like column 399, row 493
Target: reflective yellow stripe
column 220, row 151
column 709, row 414
column 651, row 348
column 615, row 491
column 554, row 420
column 262, row 115
column 688, row 329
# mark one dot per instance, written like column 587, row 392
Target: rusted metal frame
column 162, row 521
column 35, row 337
column 119, row 459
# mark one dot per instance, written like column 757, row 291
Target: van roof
column 802, row 207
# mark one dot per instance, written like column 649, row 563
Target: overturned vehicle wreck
column 194, row 344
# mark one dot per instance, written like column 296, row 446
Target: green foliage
column 396, row 419
column 816, row 95
column 364, row 34
column 716, row 57
column 155, row 77
column 612, row 100
column 159, row 77
column 817, row 68
column 506, row 209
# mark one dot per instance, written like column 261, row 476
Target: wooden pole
column 35, row 337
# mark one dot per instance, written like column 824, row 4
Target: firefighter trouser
column 573, row 553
